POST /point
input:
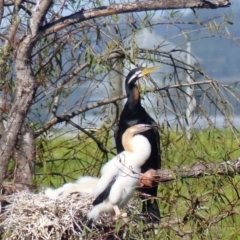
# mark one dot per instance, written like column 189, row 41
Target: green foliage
column 64, row 159
column 71, row 67
column 208, row 207
column 209, row 145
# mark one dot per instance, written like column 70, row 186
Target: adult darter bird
column 120, row 176
column 133, row 113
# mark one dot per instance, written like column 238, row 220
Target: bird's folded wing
column 106, row 181
column 104, row 195
column 157, row 139
column 118, row 139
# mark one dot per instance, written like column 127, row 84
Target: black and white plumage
column 120, row 176
column 132, row 114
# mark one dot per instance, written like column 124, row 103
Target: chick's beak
column 145, row 71
column 143, row 128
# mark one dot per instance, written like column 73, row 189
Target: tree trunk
column 116, row 83
column 26, row 87
column 24, row 156
column 2, row 107
column 26, row 82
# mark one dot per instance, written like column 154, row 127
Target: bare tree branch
column 1, row 10
column 198, row 169
column 2, row 107
column 84, row 15
column 113, row 55
column 10, row 3
column 39, row 13
column 65, row 117
column 99, row 143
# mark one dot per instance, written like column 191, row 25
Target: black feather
column 132, row 114
column 104, row 195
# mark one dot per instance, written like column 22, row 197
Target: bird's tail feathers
column 84, row 185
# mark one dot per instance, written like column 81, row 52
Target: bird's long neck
column 137, row 145
column 126, row 141
column 133, row 95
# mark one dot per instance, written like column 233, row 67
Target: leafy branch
column 65, row 117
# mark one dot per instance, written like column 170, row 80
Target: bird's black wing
column 118, row 137
column 140, row 116
column 157, row 139
column 104, row 195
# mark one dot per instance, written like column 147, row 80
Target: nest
column 34, row 216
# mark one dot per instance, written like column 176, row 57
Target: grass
column 64, row 159
column 209, row 206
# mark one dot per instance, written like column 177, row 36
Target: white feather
column 126, row 167
column 108, row 171
column 105, row 206
column 84, row 185
column 136, row 74
column 108, row 165
column 87, row 184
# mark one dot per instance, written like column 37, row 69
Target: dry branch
column 38, row 217
column 26, row 80
column 65, row 117
column 103, row 11
column 1, row 10
column 198, row 169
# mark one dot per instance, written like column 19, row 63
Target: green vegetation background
column 210, row 205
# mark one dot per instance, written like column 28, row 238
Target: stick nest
column 34, row 216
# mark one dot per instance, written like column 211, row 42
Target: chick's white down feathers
column 126, row 168
column 84, row 185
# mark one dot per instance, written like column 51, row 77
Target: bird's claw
column 147, row 178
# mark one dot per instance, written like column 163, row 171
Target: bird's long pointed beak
column 151, row 126
column 144, row 127
column 145, row 71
